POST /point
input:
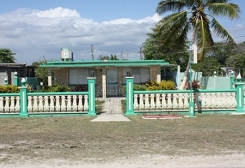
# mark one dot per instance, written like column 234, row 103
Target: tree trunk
column 184, row 82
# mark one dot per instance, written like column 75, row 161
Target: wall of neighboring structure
column 155, row 73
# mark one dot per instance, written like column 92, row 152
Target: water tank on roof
column 66, row 54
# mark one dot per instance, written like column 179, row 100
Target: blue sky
column 33, row 29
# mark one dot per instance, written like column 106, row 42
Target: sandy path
column 156, row 161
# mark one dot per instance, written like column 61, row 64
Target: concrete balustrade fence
column 25, row 104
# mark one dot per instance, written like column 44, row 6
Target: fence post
column 232, row 79
column 91, row 96
column 239, row 94
column 129, row 95
column 16, row 83
column 5, row 81
column 23, row 99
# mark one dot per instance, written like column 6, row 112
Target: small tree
column 6, row 55
column 41, row 73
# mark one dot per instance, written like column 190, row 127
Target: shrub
column 163, row 85
column 9, row 89
column 195, row 85
column 167, row 85
column 56, row 88
column 139, row 87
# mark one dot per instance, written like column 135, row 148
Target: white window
column 140, row 74
column 79, row 76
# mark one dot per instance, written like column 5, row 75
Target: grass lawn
column 76, row 138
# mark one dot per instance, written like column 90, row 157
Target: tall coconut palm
column 196, row 17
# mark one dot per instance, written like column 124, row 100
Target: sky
column 37, row 30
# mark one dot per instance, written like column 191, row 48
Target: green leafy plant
column 9, row 89
column 56, row 88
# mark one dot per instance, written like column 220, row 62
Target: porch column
column 91, row 96
column 158, row 74
column 129, row 96
column 104, row 83
column 49, row 77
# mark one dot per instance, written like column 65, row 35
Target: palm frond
column 170, row 5
column 220, row 31
column 224, row 9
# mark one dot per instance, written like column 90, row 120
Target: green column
column 16, row 79
column 232, row 79
column 23, row 99
column 239, row 94
column 5, row 81
column 91, row 96
column 129, row 96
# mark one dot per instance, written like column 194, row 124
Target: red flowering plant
column 195, row 85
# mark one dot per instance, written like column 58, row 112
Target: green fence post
column 91, row 96
column 23, row 99
column 16, row 81
column 239, row 94
column 232, row 79
column 129, row 96
column 191, row 103
column 5, row 81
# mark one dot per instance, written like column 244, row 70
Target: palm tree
column 196, row 16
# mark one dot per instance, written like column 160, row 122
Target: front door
column 112, row 82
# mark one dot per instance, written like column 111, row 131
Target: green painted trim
column 105, row 63
column 56, row 93
column 23, row 102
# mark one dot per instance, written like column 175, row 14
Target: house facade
column 110, row 74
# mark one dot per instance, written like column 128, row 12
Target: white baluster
column 175, row 102
column 68, row 103
column 141, row 106
column 181, row 101
column 136, row 106
column 40, row 103
column 80, row 103
column 57, row 103
column 85, row 102
column 208, row 101
column 1, row 104
column 147, row 105
column 169, row 102
column 158, row 103
column 186, row 101
column 63, row 104
column 219, row 100
column 12, row 104
column 164, row 101
column 35, row 106
column 6, row 107
column 51, row 105
column 74, row 103
column 46, row 104
column 29, row 104
column 17, row 105
column 152, row 101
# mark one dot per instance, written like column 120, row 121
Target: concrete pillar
column 23, row 99
column 91, row 96
column 104, row 83
column 129, row 96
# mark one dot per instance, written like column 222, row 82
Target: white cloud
column 33, row 34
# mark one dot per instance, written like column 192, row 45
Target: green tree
column 153, row 48
column 237, row 61
column 207, row 66
column 6, row 55
column 41, row 73
column 196, row 16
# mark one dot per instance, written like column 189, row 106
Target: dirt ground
column 69, row 142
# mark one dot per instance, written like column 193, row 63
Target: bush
column 56, row 88
column 139, row 87
column 163, row 85
column 195, row 85
column 167, row 85
column 9, row 89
